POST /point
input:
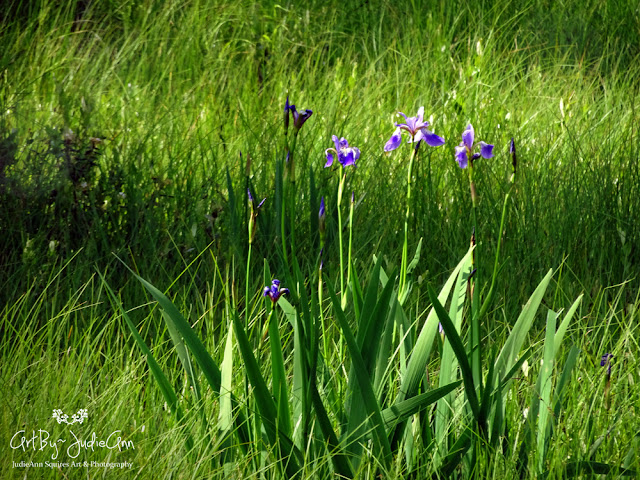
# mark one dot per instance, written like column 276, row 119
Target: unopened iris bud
column 322, row 222
column 253, row 215
column 286, row 115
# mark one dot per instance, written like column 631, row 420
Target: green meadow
column 431, row 321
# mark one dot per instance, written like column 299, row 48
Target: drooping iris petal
column 347, row 157
column 394, row 141
column 430, row 138
column 329, row 153
column 461, row 156
column 468, row 137
column 486, row 150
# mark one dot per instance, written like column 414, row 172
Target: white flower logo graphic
column 78, row 417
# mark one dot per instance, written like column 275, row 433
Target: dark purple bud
column 475, row 156
column 321, row 212
column 262, row 202
column 606, row 361
column 512, row 151
column 249, row 194
column 353, row 197
column 286, row 115
column 300, row 117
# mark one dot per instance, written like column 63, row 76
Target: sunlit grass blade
column 203, row 359
column 278, row 376
column 574, row 469
column 448, row 362
column 398, row 412
column 458, row 349
column 164, row 385
column 521, row 328
column 364, row 383
column 420, row 355
column 562, row 329
column 288, row 455
column 545, row 383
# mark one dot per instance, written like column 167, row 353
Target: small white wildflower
column 525, row 412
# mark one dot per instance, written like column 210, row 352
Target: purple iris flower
column 417, row 129
column 464, row 151
column 298, row 117
column 274, row 292
column 346, row 155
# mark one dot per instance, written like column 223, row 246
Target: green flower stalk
column 347, row 156
column 416, row 127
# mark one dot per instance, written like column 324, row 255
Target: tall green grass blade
column 562, row 329
column 200, row 354
column 364, row 383
column 448, row 363
column 288, row 456
column 574, row 469
column 398, row 412
column 458, row 349
column 301, row 352
column 417, row 362
column 562, row 383
column 279, row 378
column 521, row 328
column 164, row 385
column 545, row 381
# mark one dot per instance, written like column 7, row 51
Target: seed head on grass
column 346, row 155
column 464, row 151
column 274, row 292
column 416, row 127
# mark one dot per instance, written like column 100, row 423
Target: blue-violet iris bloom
column 346, row 155
column 416, row 127
column 274, row 292
column 464, row 151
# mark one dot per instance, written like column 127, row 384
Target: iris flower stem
column 351, row 207
column 343, row 292
column 405, row 245
column 246, row 291
column 475, row 333
column 292, row 194
column 325, row 346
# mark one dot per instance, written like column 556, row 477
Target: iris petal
column 336, row 142
column 394, row 141
column 329, row 154
column 347, row 158
column 431, row 138
column 420, row 114
column 486, row 150
column 461, row 156
column 468, row 137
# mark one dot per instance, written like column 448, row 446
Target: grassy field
column 130, row 133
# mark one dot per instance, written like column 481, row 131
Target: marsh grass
column 176, row 91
